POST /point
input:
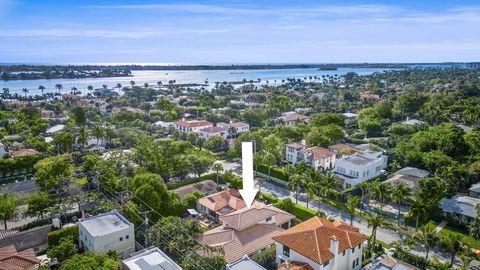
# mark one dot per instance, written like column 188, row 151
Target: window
column 286, row 251
column 348, row 185
column 353, row 250
column 268, row 219
column 126, row 237
column 353, row 265
column 326, row 263
column 344, row 253
column 121, row 239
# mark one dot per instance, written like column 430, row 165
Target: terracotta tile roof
column 319, row 153
column 238, row 124
column 246, row 217
column 294, row 117
column 223, row 202
column 10, row 259
column 296, row 145
column 237, row 244
column 312, row 238
column 189, row 124
column 23, row 153
column 213, row 129
column 293, row 265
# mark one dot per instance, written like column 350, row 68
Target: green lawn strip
column 466, row 239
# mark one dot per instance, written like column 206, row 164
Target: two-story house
column 292, row 118
column 360, row 167
column 192, row 126
column 220, row 203
column 247, row 231
column 235, row 128
column 317, row 157
column 206, row 133
column 150, row 259
column 107, row 232
column 320, row 244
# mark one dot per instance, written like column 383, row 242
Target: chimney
column 334, row 245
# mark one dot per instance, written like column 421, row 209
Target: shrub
column 274, row 172
column 55, row 237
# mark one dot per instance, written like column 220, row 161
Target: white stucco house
column 192, row 126
column 235, row 128
column 320, row 244
column 318, row 157
column 150, row 259
column 206, row 133
column 360, row 167
column 107, row 232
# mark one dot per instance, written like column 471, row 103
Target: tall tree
column 352, row 204
column 452, row 243
column 375, row 222
column 428, row 238
column 8, row 208
column 217, row 167
column 59, row 88
column 400, row 193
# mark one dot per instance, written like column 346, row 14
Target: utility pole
column 146, row 227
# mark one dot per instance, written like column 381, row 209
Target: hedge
column 54, row 237
column 301, row 212
column 274, row 172
column 212, row 176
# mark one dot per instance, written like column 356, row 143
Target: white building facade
column 360, row 167
column 192, row 126
column 107, row 232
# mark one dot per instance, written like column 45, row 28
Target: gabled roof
column 237, row 244
column 10, row 259
column 247, row 217
column 415, row 172
column 196, row 123
column 213, row 130
column 238, row 124
column 245, row 263
column 224, row 202
column 296, row 145
column 293, row 265
column 312, row 238
column 460, row 204
column 318, row 153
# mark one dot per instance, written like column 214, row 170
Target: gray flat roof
column 414, row 172
column 105, row 223
column 245, row 264
column 151, row 259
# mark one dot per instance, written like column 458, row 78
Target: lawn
column 467, row 239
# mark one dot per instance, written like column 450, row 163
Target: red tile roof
column 228, row 200
column 312, row 238
column 319, row 153
column 237, row 244
column 189, row 124
column 294, row 117
column 293, row 265
column 213, row 129
column 10, row 259
column 247, row 217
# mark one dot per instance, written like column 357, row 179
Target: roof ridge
column 316, row 244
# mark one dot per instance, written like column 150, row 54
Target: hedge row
column 54, row 237
column 301, row 212
column 211, row 176
column 274, row 172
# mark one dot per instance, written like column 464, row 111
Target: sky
column 238, row 32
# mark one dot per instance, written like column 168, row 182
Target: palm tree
column 159, row 83
column 132, row 83
column 453, row 244
column 352, row 204
column 42, row 89
column 268, row 159
column 400, row 192
column 119, row 86
column 376, row 221
column 294, row 185
column 381, row 191
column 25, row 91
column 217, row 167
column 327, row 184
column 289, row 170
column 146, row 85
column 83, row 136
column 98, row 133
column 59, row 88
column 309, row 185
column 74, row 90
column 428, row 238
column 418, row 209
column 90, row 89
column 364, row 187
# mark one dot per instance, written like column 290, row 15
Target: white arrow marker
column 248, row 192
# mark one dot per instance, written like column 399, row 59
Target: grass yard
column 467, row 239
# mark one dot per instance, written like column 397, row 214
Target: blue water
column 181, row 76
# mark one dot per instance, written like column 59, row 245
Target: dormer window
column 286, row 251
